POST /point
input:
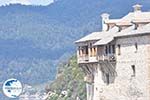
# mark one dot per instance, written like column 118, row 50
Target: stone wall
column 131, row 80
column 148, row 64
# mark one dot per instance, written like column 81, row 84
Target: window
column 133, row 69
column 107, row 79
column 119, row 51
column 106, row 52
column 120, row 28
column 136, row 26
column 136, row 47
column 86, row 50
column 113, row 49
column 109, row 49
column 79, row 51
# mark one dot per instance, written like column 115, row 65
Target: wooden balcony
column 83, row 59
column 108, row 57
column 97, row 58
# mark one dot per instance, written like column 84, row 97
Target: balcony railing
column 108, row 57
column 84, row 58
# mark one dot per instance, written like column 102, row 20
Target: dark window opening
column 113, row 49
column 136, row 26
column 106, row 52
column 107, row 79
column 86, row 50
column 109, row 49
column 133, row 69
column 120, row 28
column 90, row 45
column 119, row 51
column 96, row 89
column 136, row 46
column 79, row 51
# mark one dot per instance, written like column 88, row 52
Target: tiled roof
column 127, row 32
column 141, row 20
column 98, row 35
column 141, row 30
column 125, row 23
column 111, row 21
column 104, row 41
column 136, row 15
column 105, row 37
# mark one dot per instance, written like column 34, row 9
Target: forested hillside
column 69, row 84
column 33, row 39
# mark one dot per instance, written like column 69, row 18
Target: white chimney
column 105, row 17
column 137, row 8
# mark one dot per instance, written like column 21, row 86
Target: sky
column 26, row 2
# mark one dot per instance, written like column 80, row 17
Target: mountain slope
column 69, row 79
column 33, row 39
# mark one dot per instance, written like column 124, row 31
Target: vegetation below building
column 69, row 84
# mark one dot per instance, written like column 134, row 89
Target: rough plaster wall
column 125, row 86
column 135, row 87
column 148, row 63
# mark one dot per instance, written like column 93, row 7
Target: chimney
column 105, row 17
column 137, row 8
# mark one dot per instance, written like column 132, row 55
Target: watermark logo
column 12, row 88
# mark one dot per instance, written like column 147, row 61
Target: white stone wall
column 133, row 87
column 126, row 86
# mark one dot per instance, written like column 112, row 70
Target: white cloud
column 26, row 2
column 41, row 2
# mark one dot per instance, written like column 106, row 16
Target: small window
column 107, row 79
column 133, row 69
column 96, row 88
column 113, row 49
column 136, row 47
column 86, row 50
column 136, row 26
column 109, row 49
column 106, row 52
column 79, row 50
column 90, row 45
column 120, row 28
column 119, row 51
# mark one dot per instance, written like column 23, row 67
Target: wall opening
column 119, row 49
column 107, row 79
column 113, row 49
column 134, row 70
column 136, row 47
column 106, row 50
column 86, row 50
column 109, row 49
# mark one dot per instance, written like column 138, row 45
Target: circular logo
column 12, row 88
